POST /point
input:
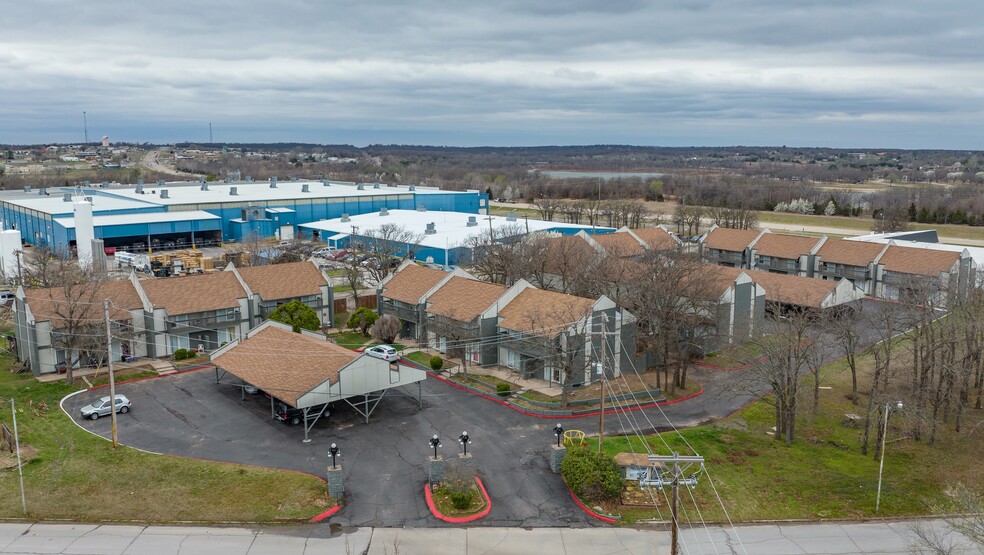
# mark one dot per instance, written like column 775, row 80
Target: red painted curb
column 463, row 519
column 327, row 513
column 587, row 509
column 182, row 371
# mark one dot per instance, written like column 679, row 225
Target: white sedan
column 384, row 352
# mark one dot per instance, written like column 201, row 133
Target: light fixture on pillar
column 435, row 442
column 464, row 440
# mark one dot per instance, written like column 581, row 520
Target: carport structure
column 307, row 372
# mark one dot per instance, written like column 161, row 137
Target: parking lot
column 383, row 461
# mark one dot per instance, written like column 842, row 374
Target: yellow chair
column 573, row 438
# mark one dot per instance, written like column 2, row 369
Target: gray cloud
column 851, row 73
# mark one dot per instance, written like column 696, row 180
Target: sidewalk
column 885, row 538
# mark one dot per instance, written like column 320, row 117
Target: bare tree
column 42, row 266
column 560, row 334
column 387, row 246
column 844, row 328
column 779, row 360
column 75, row 301
column 500, row 255
column 386, row 328
column 547, row 207
column 244, row 253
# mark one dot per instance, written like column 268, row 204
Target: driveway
column 383, row 461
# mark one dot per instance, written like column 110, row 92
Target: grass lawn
column 420, row 358
column 341, row 319
column 77, row 476
column 121, row 376
column 351, row 339
column 342, row 288
column 822, row 475
column 733, row 356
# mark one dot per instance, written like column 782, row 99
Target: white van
column 6, row 296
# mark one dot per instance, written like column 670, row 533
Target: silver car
column 384, row 352
column 103, row 406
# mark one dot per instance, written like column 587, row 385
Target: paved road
column 786, row 539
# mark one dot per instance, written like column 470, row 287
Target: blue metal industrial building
column 186, row 212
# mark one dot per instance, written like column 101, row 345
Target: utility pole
column 109, row 364
column 210, row 133
column 85, row 128
column 680, row 465
column 601, row 370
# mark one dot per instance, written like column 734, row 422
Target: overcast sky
column 842, row 73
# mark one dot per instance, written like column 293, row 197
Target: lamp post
column 435, row 442
column 559, row 432
column 881, row 465
column 464, row 440
column 334, row 453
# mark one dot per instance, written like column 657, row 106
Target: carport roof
column 285, row 364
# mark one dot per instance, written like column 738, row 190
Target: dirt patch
column 8, row 459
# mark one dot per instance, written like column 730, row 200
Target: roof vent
column 360, row 187
column 27, row 188
column 413, row 187
column 249, row 179
column 383, row 211
column 42, row 192
column 85, row 184
column 472, row 221
column 273, row 182
column 233, row 191
column 431, row 230
column 294, row 178
column 67, row 197
column 139, row 189
column 228, row 179
column 345, row 217
column 201, row 179
column 375, row 185
column 326, row 183
column 421, row 208
column 164, row 193
column 204, row 186
column 305, row 188
column 140, row 182
column 160, row 182
column 511, row 217
column 104, row 184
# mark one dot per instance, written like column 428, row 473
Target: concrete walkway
column 883, row 538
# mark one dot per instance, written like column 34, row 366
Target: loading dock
column 307, row 372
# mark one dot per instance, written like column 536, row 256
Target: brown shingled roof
column 922, row 262
column 49, row 305
column 793, row 290
column 285, row 364
column 284, row 281
column 727, row 239
column 620, row 243
column 656, row 237
column 409, row 284
column 849, row 253
column 563, row 253
column 785, row 246
column 717, row 280
column 464, row 299
column 190, row 294
column 537, row 311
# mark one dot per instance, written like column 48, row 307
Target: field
column 74, row 475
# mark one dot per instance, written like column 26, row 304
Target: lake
column 607, row 176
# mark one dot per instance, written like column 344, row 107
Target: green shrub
column 461, row 500
column 181, row 354
column 436, row 363
column 593, row 476
column 503, row 389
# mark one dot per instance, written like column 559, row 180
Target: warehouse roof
column 55, row 204
column 191, row 193
column 142, row 218
column 451, row 228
